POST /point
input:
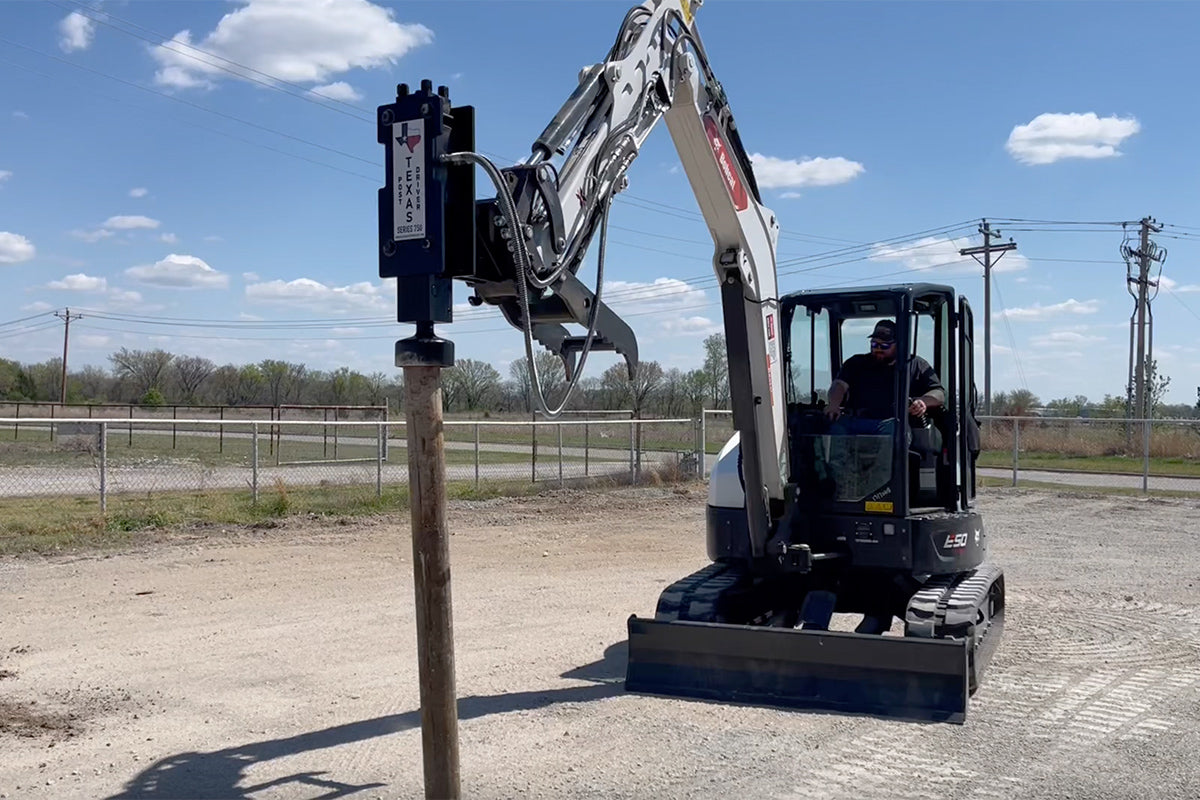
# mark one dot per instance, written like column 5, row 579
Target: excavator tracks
column 708, row 640
column 968, row 607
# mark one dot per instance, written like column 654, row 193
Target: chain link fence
column 1160, row 456
column 1086, row 454
column 88, row 465
column 54, row 471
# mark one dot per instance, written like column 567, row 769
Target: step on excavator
column 828, row 505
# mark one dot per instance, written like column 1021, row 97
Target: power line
column 23, row 319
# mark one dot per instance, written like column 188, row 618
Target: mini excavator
column 807, row 525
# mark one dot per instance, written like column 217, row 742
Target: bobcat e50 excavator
column 804, row 521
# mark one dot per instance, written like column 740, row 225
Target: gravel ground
column 279, row 663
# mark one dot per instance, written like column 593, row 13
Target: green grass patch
column 61, row 524
column 1128, row 491
column 1117, row 465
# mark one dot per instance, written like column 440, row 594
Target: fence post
column 586, row 446
column 1016, row 447
column 103, row 468
column 174, row 416
column 632, row 446
column 1145, row 456
column 131, row 424
column 17, row 425
column 703, row 444
column 533, row 430
column 699, row 426
column 221, row 431
column 52, row 423
column 476, row 455
column 254, row 463
column 379, row 440
column 560, row 460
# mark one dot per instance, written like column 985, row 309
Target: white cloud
column 941, row 254
column 790, row 195
column 303, row 41
column 139, row 191
column 1053, row 137
column 690, row 326
column 779, row 173
column 1065, row 338
column 1040, row 312
column 91, row 236
column 77, row 31
column 124, row 297
column 310, row 294
column 37, row 305
column 169, row 238
column 20, row 115
column 129, row 223
column 94, row 340
column 5, row 174
column 338, row 90
column 108, row 228
column 15, row 248
column 250, row 277
column 665, row 294
column 179, row 272
column 79, row 283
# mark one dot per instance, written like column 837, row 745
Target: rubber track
column 695, row 596
column 955, row 607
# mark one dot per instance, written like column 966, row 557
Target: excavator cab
column 876, row 457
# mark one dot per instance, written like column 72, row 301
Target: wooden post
column 431, row 579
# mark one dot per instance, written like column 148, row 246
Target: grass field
column 68, row 523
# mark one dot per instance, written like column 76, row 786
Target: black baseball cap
column 885, row 331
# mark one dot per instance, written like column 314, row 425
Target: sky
column 229, row 211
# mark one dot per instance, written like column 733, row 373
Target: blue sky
column 183, row 207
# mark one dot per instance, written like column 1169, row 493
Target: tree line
column 158, row 377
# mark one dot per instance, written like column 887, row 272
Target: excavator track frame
column 711, row 640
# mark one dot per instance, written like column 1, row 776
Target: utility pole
column 1146, row 254
column 66, row 316
column 986, row 249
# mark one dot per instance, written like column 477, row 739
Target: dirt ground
column 280, row 663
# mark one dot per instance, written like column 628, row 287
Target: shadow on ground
column 185, row 776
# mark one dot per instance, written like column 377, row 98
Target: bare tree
column 191, row 372
column 93, row 383
column 646, row 380
column 716, row 370
column 470, row 384
column 283, row 380
column 143, row 369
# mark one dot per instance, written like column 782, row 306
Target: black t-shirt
column 872, row 393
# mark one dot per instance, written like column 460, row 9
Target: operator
column 868, row 379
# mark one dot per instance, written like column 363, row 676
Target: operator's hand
column 917, row 407
column 833, row 412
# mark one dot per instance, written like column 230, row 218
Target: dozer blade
column 906, row 678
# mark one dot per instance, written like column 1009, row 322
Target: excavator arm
column 532, row 238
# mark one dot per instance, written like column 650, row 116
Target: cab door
column 968, row 440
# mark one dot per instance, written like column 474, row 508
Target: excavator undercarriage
column 720, row 634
